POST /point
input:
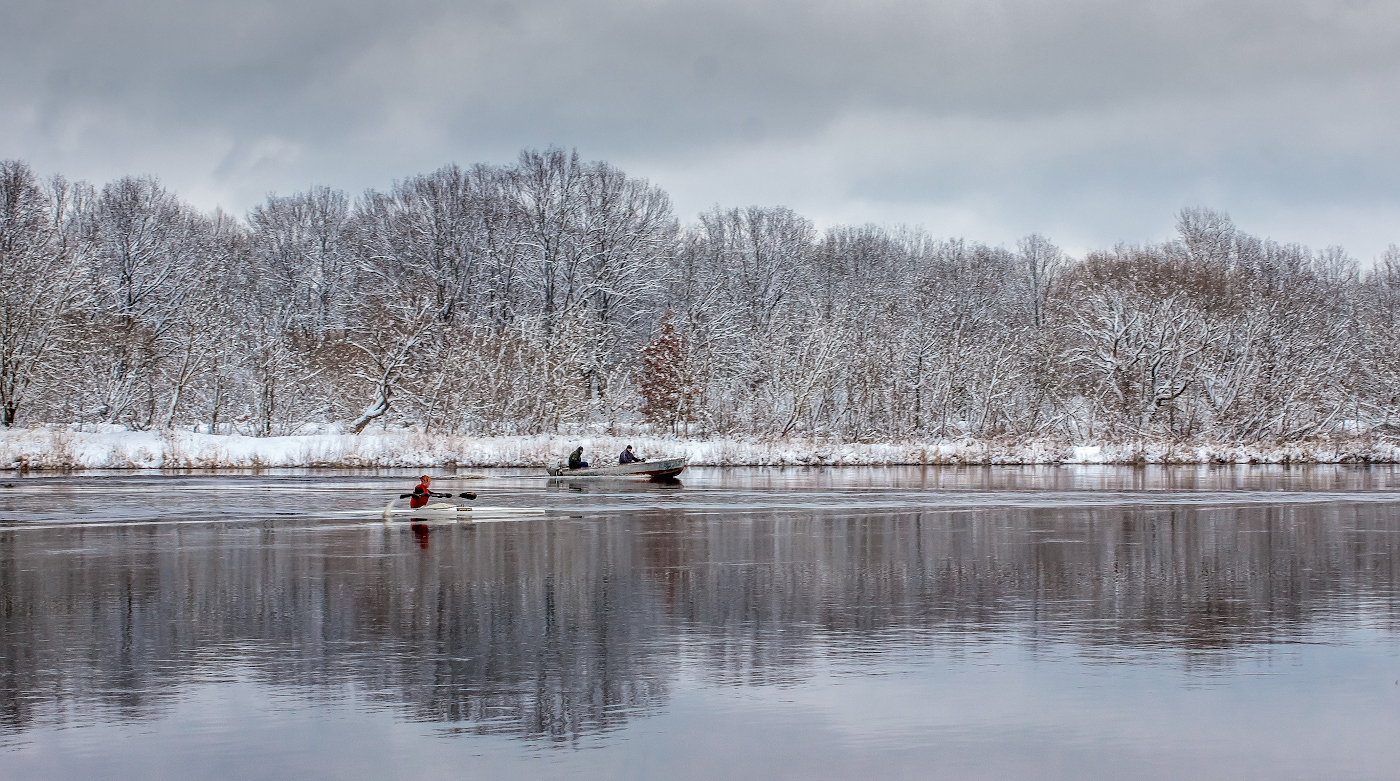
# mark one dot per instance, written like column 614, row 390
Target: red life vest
column 420, row 496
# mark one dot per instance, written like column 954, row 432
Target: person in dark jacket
column 628, row 457
column 576, row 459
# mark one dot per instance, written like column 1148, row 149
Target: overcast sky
column 1090, row 121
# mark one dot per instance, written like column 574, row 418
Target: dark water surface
column 1075, row 622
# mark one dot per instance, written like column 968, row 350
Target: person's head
column 580, row 450
column 629, row 447
column 425, row 480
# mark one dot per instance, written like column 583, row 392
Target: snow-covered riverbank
column 56, row 448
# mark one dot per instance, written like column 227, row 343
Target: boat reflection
column 609, row 486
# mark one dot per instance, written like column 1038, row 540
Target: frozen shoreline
column 58, row 448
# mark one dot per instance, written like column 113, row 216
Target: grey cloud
column 1267, row 104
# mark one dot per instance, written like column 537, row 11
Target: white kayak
column 432, row 508
column 440, row 510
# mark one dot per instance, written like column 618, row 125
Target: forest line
column 557, row 295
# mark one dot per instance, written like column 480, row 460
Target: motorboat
column 660, row 468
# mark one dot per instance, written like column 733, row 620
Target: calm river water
column 1072, row 622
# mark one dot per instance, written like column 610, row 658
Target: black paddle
column 464, row 495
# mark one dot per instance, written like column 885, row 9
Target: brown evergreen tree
column 666, row 391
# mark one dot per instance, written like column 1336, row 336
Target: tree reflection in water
column 566, row 627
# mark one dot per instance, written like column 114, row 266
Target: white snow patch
column 58, row 447
column 1087, row 455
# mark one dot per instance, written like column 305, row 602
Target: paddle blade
column 468, row 495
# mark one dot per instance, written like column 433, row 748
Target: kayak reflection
column 615, row 487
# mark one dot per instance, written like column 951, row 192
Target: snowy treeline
column 557, row 295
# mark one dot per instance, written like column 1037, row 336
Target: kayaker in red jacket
column 420, row 494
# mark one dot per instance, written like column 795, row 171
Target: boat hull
column 434, row 510
column 663, row 468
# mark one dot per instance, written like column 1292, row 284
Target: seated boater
column 418, row 500
column 421, row 494
column 628, row 457
column 576, row 459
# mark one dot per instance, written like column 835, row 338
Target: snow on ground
column 58, row 447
